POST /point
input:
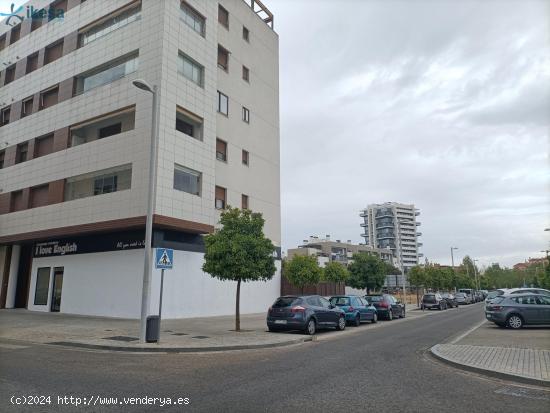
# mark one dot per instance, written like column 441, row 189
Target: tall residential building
column 74, row 149
column 393, row 225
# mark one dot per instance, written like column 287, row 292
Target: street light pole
column 453, row 262
column 475, row 274
column 151, row 194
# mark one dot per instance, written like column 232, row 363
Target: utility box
column 152, row 331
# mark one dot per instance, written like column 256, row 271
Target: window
column 245, row 157
column 221, row 150
column 15, row 34
column 2, row 157
column 246, row 115
column 26, row 106
column 16, row 201
column 244, row 201
column 223, row 58
column 2, row 42
column 32, row 63
column 246, row 74
column 100, row 182
column 190, row 69
column 187, row 180
column 220, row 197
column 246, row 34
column 189, row 123
column 36, row 21
column 57, row 9
column 53, row 52
column 10, row 75
column 103, row 127
column 5, row 116
column 107, row 73
column 106, row 25
column 22, row 152
column 223, row 17
column 43, row 146
column 223, row 103
column 49, row 97
column 39, row 196
column 42, row 286
column 192, row 18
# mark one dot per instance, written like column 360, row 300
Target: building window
column 5, row 116
column 15, row 34
column 223, row 17
column 107, row 73
column 26, row 106
column 2, row 157
column 99, row 182
column 223, row 58
column 10, row 75
column 108, row 24
column 38, row 196
column 36, row 21
column 53, row 52
column 220, row 197
column 22, row 152
column 2, row 42
column 223, row 103
column 245, row 157
column 190, row 69
column 43, row 146
column 57, row 9
column 103, row 127
column 49, row 97
column 16, row 201
column 244, row 201
column 32, row 63
column 42, row 286
column 189, row 123
column 246, row 74
column 192, row 18
column 246, row 115
column 187, row 180
column 246, row 34
column 221, row 150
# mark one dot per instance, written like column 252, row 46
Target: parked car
column 433, row 300
column 305, row 313
column 527, row 290
column 357, row 309
column 387, row 305
column 494, row 293
column 463, row 298
column 515, row 311
column 450, row 299
column 470, row 293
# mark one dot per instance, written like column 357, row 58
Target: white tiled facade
column 159, row 36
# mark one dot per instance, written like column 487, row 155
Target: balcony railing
column 261, row 11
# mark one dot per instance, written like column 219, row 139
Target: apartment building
column 393, row 225
column 327, row 250
column 74, row 149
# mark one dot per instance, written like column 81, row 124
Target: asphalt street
column 380, row 367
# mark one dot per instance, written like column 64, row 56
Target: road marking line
column 12, row 346
column 460, row 337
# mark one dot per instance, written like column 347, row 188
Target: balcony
column 384, row 215
column 261, row 11
column 385, row 236
column 364, row 224
column 416, row 213
column 419, row 244
column 363, row 214
column 418, row 234
column 417, row 223
column 364, row 235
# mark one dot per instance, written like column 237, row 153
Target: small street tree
column 239, row 251
column 302, row 270
column 367, row 272
column 335, row 272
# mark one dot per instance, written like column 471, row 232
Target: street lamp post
column 151, row 193
column 475, row 274
column 453, row 262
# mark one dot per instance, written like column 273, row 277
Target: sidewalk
column 518, row 355
column 182, row 335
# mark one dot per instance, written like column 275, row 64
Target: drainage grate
column 121, row 338
column 200, row 337
column 181, row 334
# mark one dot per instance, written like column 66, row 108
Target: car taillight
column 297, row 309
column 383, row 304
column 350, row 309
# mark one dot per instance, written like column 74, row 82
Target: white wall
column 109, row 284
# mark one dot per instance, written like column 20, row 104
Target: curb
column 178, row 349
column 496, row 374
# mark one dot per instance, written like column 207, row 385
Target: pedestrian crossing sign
column 164, row 259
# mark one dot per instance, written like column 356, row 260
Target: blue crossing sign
column 164, row 258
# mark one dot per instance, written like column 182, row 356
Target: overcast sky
column 444, row 104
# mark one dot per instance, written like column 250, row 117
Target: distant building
column 522, row 266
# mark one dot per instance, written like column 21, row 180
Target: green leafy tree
column 335, row 272
column 302, row 270
column 367, row 272
column 417, row 276
column 239, row 251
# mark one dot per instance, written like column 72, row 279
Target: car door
column 393, row 304
column 543, row 304
column 528, row 307
column 318, row 309
column 330, row 313
column 356, row 303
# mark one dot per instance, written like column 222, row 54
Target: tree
column 417, row 276
column 302, row 270
column 366, row 272
column 239, row 251
column 335, row 272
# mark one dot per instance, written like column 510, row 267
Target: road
column 378, row 368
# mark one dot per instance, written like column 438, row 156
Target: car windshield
column 497, row 300
column 374, row 298
column 493, row 294
column 286, row 302
column 340, row 300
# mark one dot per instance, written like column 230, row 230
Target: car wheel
column 357, row 322
column 390, row 315
column 375, row 318
column 311, row 327
column 514, row 321
column 440, row 307
column 341, row 324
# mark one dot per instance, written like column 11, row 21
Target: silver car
column 517, row 310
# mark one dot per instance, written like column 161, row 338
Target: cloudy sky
column 444, row 104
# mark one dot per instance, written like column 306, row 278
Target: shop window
column 42, row 286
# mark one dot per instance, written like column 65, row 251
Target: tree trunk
column 237, row 309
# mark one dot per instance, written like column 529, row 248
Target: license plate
column 280, row 321
column 488, row 315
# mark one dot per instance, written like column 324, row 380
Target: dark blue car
column 357, row 309
column 306, row 313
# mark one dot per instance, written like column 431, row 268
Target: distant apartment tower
column 393, row 225
column 74, row 149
